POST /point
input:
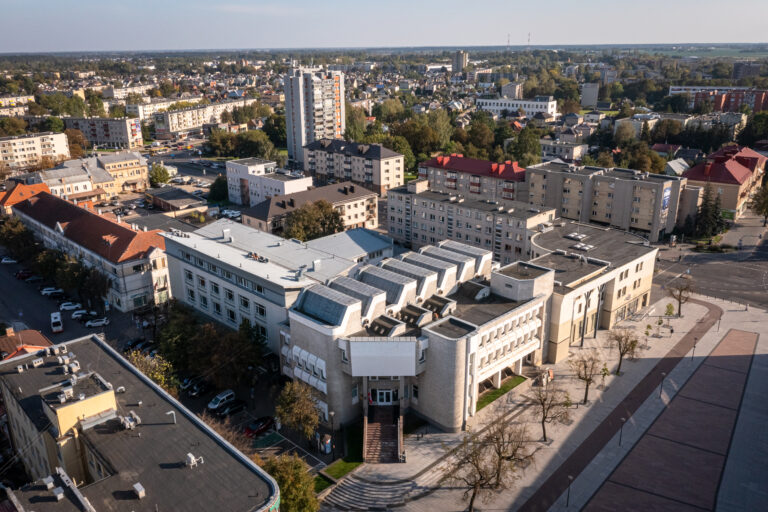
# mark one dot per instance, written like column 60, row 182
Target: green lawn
column 492, row 395
column 354, row 442
column 321, row 483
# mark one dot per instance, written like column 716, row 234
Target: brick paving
column 557, row 483
column 678, row 463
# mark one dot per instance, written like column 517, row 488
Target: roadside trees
column 759, row 203
column 550, row 404
column 297, row 408
column 680, row 289
column 625, row 342
column 297, row 487
column 586, row 367
column 158, row 174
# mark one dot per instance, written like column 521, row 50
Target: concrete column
column 401, row 391
column 519, row 366
column 365, row 389
column 496, row 380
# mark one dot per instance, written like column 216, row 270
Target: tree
column 229, row 431
column 226, row 117
column 10, row 126
column 53, row 124
column 296, row 408
column 117, row 111
column 156, row 368
column 625, row 342
column 708, row 217
column 355, row 125
column 313, row 220
column 526, row 148
column 550, row 404
column 756, row 129
column 670, row 310
column 77, row 142
column 759, row 203
column 297, row 488
column 96, row 107
column 275, row 129
column 680, row 289
column 219, row 190
column 47, row 262
column 19, row 241
column 389, row 110
column 624, row 135
column 158, row 174
column 586, row 366
column 134, row 99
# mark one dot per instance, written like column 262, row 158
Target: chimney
column 291, row 202
column 9, row 331
column 346, row 191
column 351, row 188
column 707, row 168
column 145, row 228
column 118, row 220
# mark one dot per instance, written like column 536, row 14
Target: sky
column 104, row 25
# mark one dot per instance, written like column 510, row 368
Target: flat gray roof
column 352, row 243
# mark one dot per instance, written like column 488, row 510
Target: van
column 56, row 324
column 221, row 399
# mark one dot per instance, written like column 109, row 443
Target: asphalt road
column 739, row 276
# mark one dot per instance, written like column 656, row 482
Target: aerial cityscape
column 265, row 257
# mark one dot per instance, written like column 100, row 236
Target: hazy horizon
column 47, row 26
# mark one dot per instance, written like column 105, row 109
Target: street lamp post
column 333, row 444
column 621, row 429
column 568, row 496
column 693, row 352
column 661, row 386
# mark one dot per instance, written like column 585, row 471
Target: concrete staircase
column 381, row 436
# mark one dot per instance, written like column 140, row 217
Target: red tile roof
column 22, row 342
column 116, row 242
column 21, row 192
column 728, row 172
column 744, row 155
column 506, row 171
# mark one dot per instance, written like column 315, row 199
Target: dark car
column 199, row 388
column 131, row 345
column 23, row 274
column 258, row 427
column 33, row 279
column 230, row 408
column 86, row 317
column 56, row 295
column 188, row 382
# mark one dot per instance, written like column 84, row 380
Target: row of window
column 229, row 295
column 221, row 272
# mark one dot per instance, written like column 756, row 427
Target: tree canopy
column 313, row 220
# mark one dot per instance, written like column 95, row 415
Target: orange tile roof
column 23, row 342
column 21, row 192
column 111, row 240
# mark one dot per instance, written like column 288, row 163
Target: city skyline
column 262, row 25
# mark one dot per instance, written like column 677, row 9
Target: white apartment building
column 566, row 151
column 418, row 216
column 133, row 260
column 253, row 180
column 180, row 123
column 145, row 110
column 426, row 331
column 120, row 93
column 105, row 132
column 22, row 151
column 371, row 165
column 314, row 108
column 15, row 101
column 499, row 106
column 231, row 272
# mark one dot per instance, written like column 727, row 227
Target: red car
column 258, row 427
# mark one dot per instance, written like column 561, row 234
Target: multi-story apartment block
column 566, row 151
column 180, row 123
column 502, row 106
column 77, row 424
column 513, row 90
column 602, row 276
column 231, row 272
column 23, row 151
column 637, row 122
column 358, row 207
column 470, row 177
column 120, row 93
column 253, row 180
column 648, row 204
column 132, row 260
column 418, row 217
column 426, row 331
column 145, row 110
column 122, row 133
column 589, row 94
column 15, row 101
column 460, row 61
column 723, row 99
column 370, row 165
column 16, row 111
column 314, row 108
column 733, row 173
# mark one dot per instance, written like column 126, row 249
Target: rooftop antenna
column 529, row 41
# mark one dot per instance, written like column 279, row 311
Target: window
column 201, row 282
column 415, row 392
column 244, row 302
column 190, row 295
column 260, row 310
column 204, row 302
column 231, row 316
column 214, row 288
column 344, row 356
column 229, row 295
column 217, row 308
column 188, row 276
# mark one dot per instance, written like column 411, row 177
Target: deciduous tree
column 550, row 404
column 586, row 366
column 625, row 341
column 296, row 408
column 297, row 488
column 156, row 368
column 680, row 289
column 313, row 220
column 158, row 174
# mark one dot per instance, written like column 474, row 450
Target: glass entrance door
column 385, row 397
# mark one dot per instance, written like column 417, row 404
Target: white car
column 50, row 290
column 97, row 322
column 8, row 260
column 82, row 312
column 69, row 306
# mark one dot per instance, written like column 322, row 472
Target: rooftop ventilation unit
column 58, row 493
column 62, row 398
column 576, row 236
column 139, row 490
column 192, row 462
column 37, row 362
column 68, row 392
column 48, row 482
column 20, row 368
column 120, row 389
column 135, row 417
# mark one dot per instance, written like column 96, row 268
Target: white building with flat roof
column 499, row 106
column 22, row 151
column 252, row 180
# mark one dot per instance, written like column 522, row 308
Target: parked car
column 188, row 382
column 131, row 345
column 150, row 207
column 230, row 408
column 115, row 203
column 57, row 295
column 7, row 260
column 132, row 207
column 258, row 427
column 69, row 306
column 33, row 279
column 87, row 317
column 222, row 398
column 23, row 274
column 199, row 388
column 50, row 290
column 97, row 322
column 82, row 312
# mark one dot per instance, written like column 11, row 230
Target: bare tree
column 680, row 289
column 587, row 367
column 625, row 342
column 489, row 461
column 229, row 431
column 551, row 404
